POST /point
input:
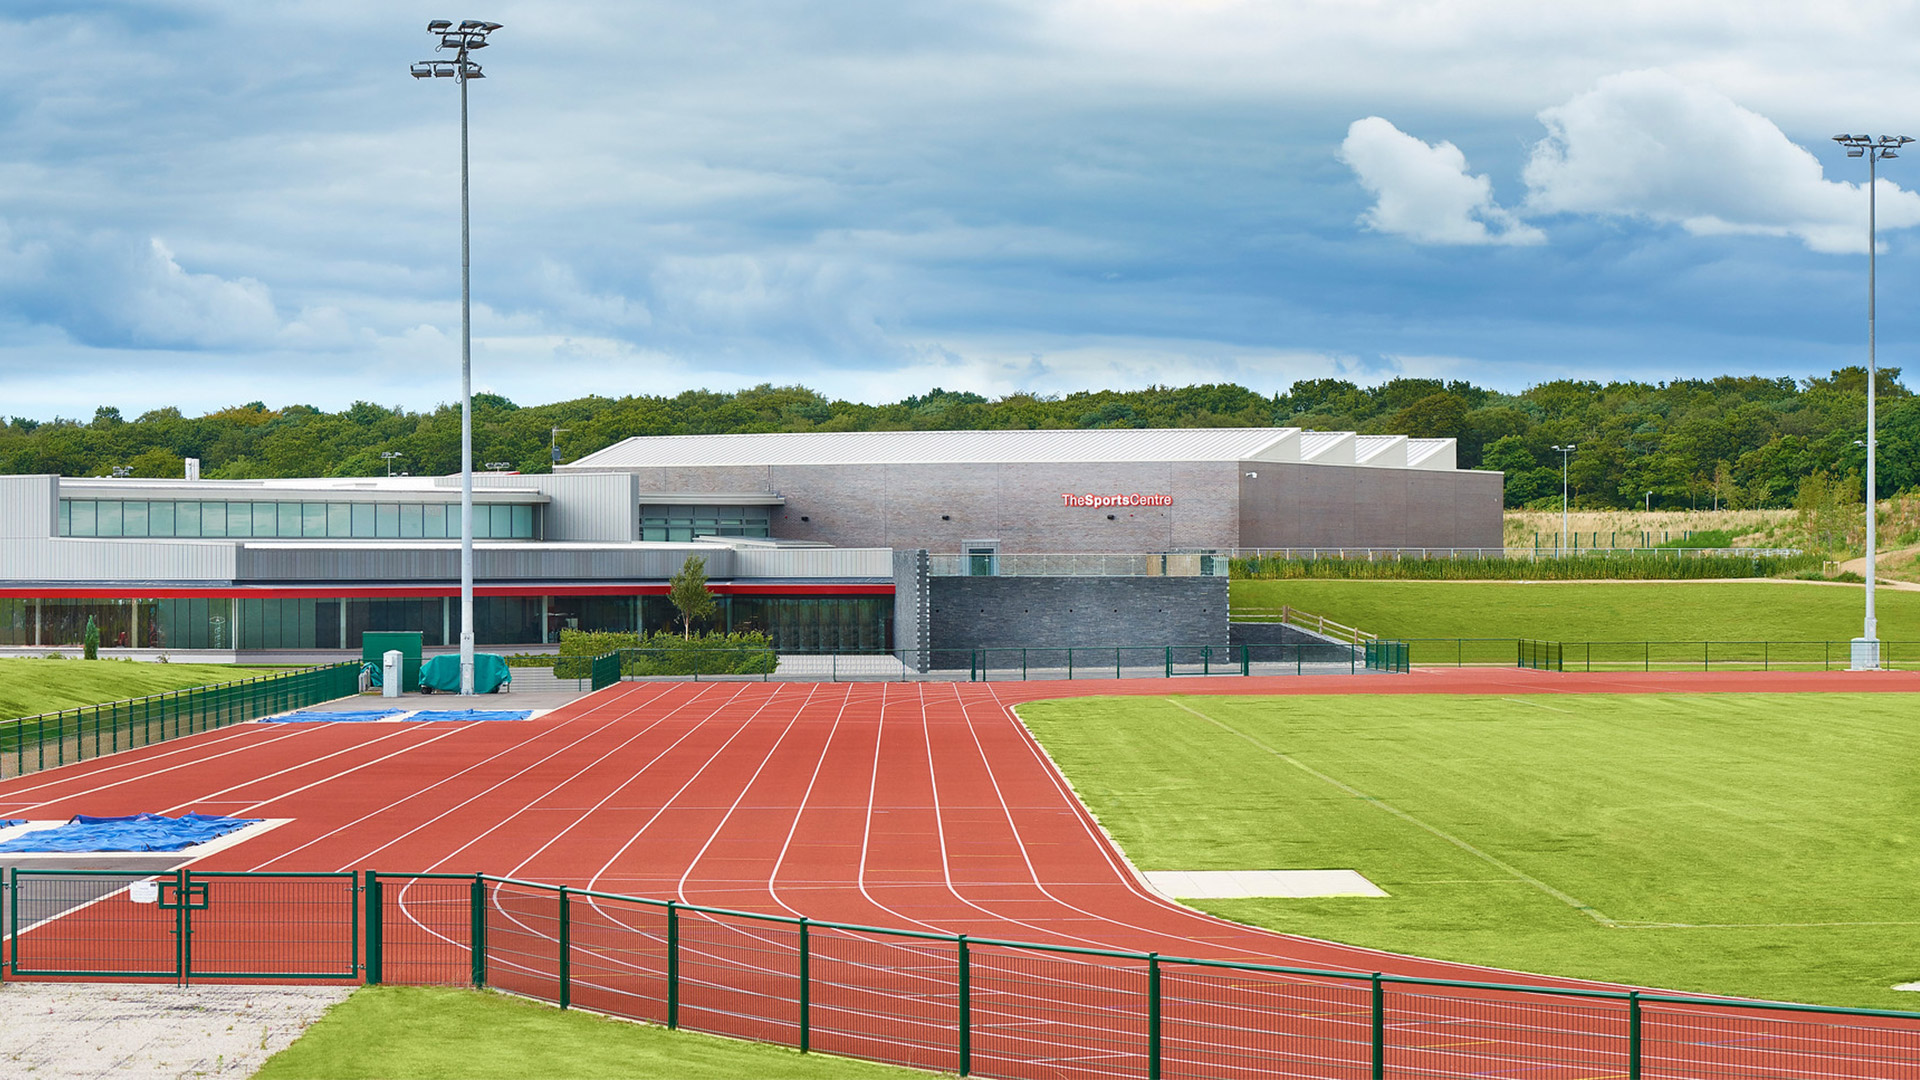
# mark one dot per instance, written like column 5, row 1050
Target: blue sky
column 203, row 204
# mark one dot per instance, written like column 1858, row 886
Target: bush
column 666, row 653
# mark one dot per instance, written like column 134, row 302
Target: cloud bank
column 1641, row 145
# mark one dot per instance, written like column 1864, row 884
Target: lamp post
column 1564, row 452
column 555, row 449
column 388, row 456
column 1866, row 647
column 471, row 34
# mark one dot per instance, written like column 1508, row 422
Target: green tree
column 687, row 589
column 90, row 642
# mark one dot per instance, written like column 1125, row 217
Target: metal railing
column 32, row 743
column 1068, row 564
column 1525, row 553
column 1015, row 663
column 947, row 1002
column 1304, row 620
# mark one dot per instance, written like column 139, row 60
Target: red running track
column 910, row 806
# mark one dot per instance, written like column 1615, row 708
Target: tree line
column 1734, row 441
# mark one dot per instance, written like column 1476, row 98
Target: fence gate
column 182, row 925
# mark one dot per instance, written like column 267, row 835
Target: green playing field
column 1755, row 844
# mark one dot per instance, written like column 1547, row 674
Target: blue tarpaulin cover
column 12, row 821
column 311, row 716
column 140, row 832
column 471, row 714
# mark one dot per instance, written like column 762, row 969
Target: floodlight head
column 438, row 25
column 471, row 24
column 489, row 27
column 423, row 71
column 1857, row 152
column 443, row 71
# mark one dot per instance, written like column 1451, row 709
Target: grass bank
column 29, row 686
column 1729, row 843
column 1592, row 611
column 418, row 1033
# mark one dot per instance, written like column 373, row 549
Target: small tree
column 91, row 641
column 688, row 591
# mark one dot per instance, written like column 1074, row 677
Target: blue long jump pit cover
column 319, row 716
column 471, row 715
column 140, row 832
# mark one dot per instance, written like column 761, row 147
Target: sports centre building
column 828, row 542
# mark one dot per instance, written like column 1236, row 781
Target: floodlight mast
column 471, row 34
column 1565, row 452
column 1866, row 648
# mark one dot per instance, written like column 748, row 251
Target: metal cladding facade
column 1215, row 489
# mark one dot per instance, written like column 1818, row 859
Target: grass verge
column 419, row 1033
column 1748, row 844
column 1592, row 611
column 29, row 686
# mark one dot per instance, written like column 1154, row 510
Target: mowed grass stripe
column 1747, row 844
column 1594, row 611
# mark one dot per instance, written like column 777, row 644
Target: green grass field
column 1764, row 845
column 1579, row 611
column 414, row 1033
column 29, row 687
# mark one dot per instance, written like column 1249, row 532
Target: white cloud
column 1647, row 145
column 1424, row 192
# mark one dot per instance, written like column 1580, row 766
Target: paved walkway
column 84, row 1031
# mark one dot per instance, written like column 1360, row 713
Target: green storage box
column 375, row 644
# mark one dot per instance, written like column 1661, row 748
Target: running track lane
column 917, row 806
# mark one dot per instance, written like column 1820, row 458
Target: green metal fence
column 951, row 1003
column 1021, row 663
column 32, row 743
column 182, row 924
column 1539, row 655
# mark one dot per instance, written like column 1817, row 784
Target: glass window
column 339, row 519
column 266, row 518
column 160, row 519
column 434, row 524
column 363, row 520
column 133, row 518
column 109, row 511
column 523, row 522
column 239, row 521
column 289, row 520
column 186, row 519
column 410, row 520
column 77, row 518
column 313, row 520
column 502, row 521
column 386, row 520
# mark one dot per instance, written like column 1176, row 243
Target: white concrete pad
column 1241, row 884
column 83, row 1031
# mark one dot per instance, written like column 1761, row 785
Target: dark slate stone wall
column 1053, row 612
column 911, row 625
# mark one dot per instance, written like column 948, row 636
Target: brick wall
column 1054, row 612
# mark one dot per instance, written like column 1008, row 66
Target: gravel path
column 79, row 1031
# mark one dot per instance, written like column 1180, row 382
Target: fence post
column 1169, row 661
column 477, row 932
column 375, row 927
column 1023, row 663
column 673, row 965
column 966, row 1008
column 1379, row 1028
column 1633, row 1035
column 566, row 948
column 1153, row 1016
column 806, row 1011
column 1069, row 663
column 1246, row 665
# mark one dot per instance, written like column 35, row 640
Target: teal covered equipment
column 441, row 674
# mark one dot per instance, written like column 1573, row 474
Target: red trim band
column 405, row 592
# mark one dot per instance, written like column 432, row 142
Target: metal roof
column 965, row 447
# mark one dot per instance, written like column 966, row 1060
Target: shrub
column 1643, row 565
column 91, row 642
column 665, row 653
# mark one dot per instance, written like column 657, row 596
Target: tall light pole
column 388, row 456
column 471, row 34
column 1564, row 452
column 1866, row 647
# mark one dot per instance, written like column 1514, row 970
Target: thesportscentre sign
column 1102, row 502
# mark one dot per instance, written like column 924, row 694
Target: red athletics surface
column 916, row 806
